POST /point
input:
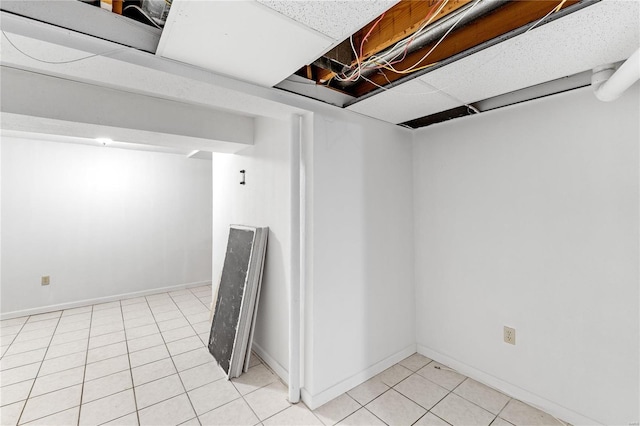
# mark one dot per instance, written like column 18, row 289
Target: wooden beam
column 400, row 22
column 507, row 18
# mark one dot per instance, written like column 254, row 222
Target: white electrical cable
column 60, row 62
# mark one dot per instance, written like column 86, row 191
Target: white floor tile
column 368, row 391
column 106, row 367
column 178, row 333
column 128, row 420
column 13, row 322
column 63, row 363
column 145, row 342
column 172, row 324
column 53, row 382
column 213, row 395
column 487, row 398
column 159, row 390
column 295, row 415
column 25, row 336
column 235, row 413
column 31, row 345
column 253, row 379
column 73, row 326
column 430, row 419
column 105, row 329
column 337, row 409
column 395, row 409
column 51, row 403
column 105, row 386
column 202, row 327
column 501, row 422
column 19, row 374
column 269, row 400
column 66, row 417
column 16, row 392
column 72, row 336
column 422, row 391
column 67, row 348
column 170, row 412
column 146, row 356
column 394, row 375
column 105, row 352
column 184, row 345
column 44, row 316
column 415, row 362
column 139, row 321
column 73, row 312
column 192, row 359
column 441, row 375
column 153, row 371
column 108, row 305
column 458, row 411
column 519, row 413
column 192, row 422
column 10, row 413
column 145, row 330
column 362, row 417
column 201, row 375
column 106, row 409
column 32, row 326
column 200, row 318
column 165, row 316
column 106, row 339
column 25, row 358
column 132, row 301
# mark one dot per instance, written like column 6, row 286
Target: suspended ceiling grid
column 260, row 42
column 606, row 32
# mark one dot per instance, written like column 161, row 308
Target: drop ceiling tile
column 337, row 19
column 602, row 33
column 405, row 102
column 242, row 39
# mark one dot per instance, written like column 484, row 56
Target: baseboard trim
column 105, row 299
column 271, row 362
column 315, row 401
column 508, row 388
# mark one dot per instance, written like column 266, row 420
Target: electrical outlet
column 510, row 335
column 45, row 280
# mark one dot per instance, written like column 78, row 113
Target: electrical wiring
column 376, row 61
column 409, row 70
column 60, row 62
column 386, row 65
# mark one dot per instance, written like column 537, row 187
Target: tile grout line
column 171, row 357
column 133, row 390
column 86, row 358
column 38, row 372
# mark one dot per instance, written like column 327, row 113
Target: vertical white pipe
column 295, row 277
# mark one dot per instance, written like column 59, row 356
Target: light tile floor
column 144, row 361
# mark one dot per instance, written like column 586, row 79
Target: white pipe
column 294, row 276
column 609, row 84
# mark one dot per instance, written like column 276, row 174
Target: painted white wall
column 100, row 221
column 263, row 201
column 528, row 217
column 360, row 314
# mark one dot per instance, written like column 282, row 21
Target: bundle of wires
column 378, row 62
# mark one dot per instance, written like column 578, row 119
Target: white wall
column 263, row 201
column 360, row 288
column 100, row 221
column 528, row 217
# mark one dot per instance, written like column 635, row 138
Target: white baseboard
column 508, row 388
column 315, row 401
column 105, row 299
column 272, row 363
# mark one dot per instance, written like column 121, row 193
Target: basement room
column 320, row 212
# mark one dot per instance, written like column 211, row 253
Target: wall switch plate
column 510, row 335
column 45, row 280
